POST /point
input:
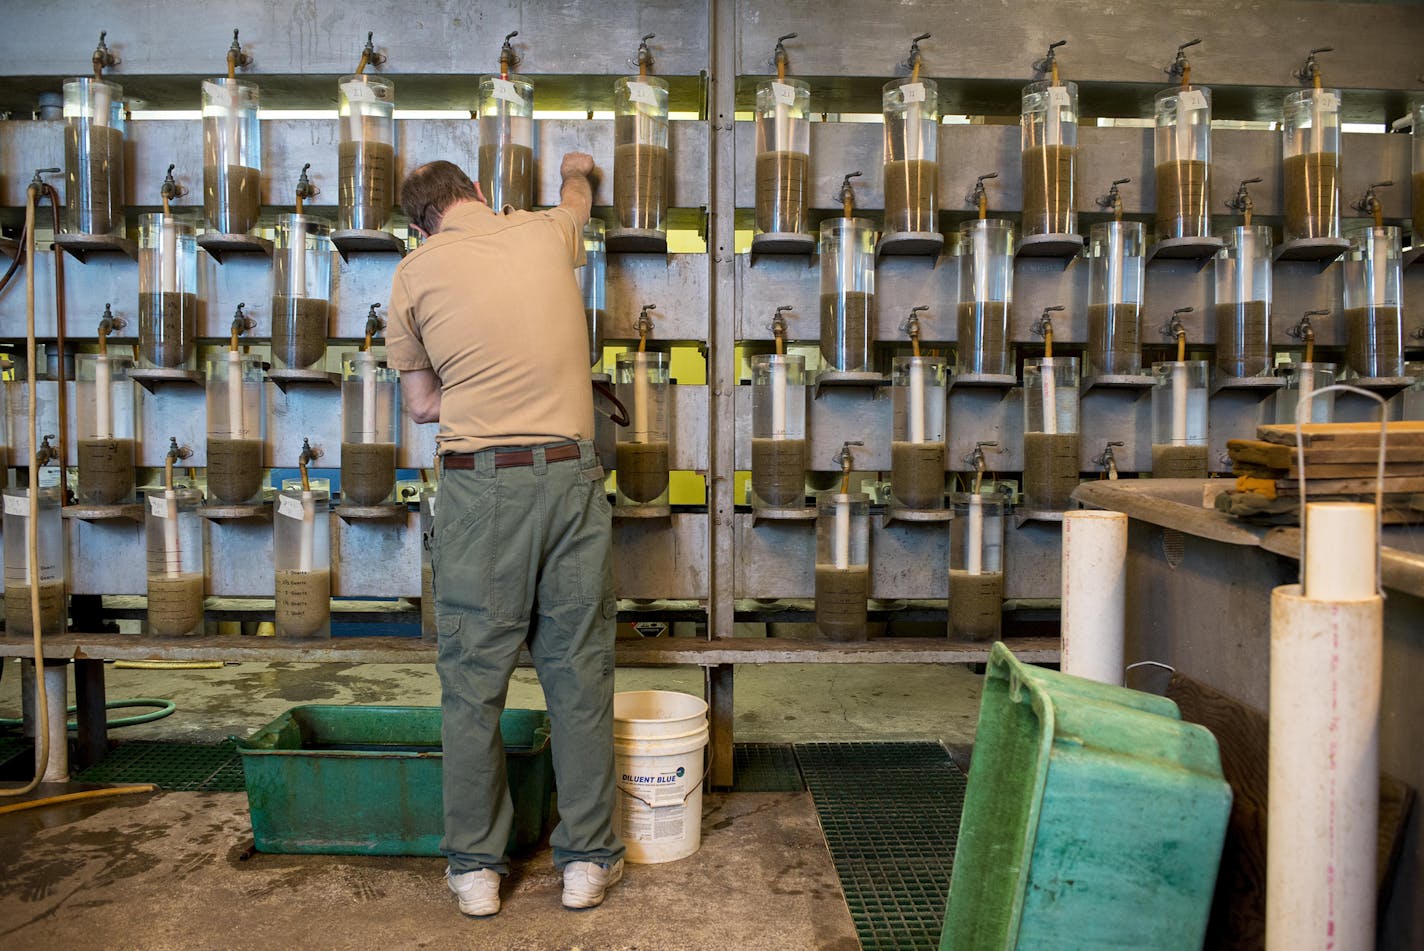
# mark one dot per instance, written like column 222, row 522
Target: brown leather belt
column 504, row 458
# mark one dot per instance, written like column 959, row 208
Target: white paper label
column 158, row 505
column 358, row 92
column 1329, row 101
column 290, row 507
column 783, row 94
column 913, row 92
column 1190, row 100
column 642, row 92
column 504, row 89
column 1058, row 95
column 17, row 505
column 431, row 500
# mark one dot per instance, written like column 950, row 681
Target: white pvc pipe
column 1324, row 770
column 56, row 681
column 1094, row 594
column 1341, row 554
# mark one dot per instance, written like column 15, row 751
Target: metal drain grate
column 765, row 767
column 890, row 813
column 174, row 767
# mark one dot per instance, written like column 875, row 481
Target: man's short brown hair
column 431, row 189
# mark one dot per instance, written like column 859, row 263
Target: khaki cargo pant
column 523, row 555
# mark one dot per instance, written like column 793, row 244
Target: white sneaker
column 478, row 891
column 586, row 882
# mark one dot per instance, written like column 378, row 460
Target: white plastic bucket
column 658, row 741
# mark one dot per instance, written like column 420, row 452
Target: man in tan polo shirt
column 486, row 326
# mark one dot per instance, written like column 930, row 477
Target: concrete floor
column 167, row 871
column 171, row 871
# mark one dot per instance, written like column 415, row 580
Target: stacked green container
column 366, row 780
column 1094, row 819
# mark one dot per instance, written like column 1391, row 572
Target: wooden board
column 1277, row 456
column 1238, row 914
column 1401, row 433
column 1329, row 470
column 1392, row 485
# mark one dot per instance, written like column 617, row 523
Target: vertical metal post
column 721, row 370
column 89, row 699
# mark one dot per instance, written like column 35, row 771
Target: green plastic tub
column 366, row 780
column 1094, row 818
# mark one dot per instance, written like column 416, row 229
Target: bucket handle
column 709, row 757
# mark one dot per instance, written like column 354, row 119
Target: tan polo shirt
column 491, row 304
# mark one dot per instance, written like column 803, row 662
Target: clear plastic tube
column 506, row 110
column 1115, row 266
column 779, row 431
column 986, row 293
column 783, row 156
column 1048, row 134
column 94, row 157
column 1374, row 303
column 1243, row 302
column 366, row 154
column 1310, row 131
column 232, row 155
column 847, row 292
column 917, row 450
column 911, row 111
column 1181, row 145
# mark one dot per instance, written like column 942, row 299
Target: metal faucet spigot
column 1113, row 199
column 845, row 459
column 1180, row 65
column 644, row 322
column 645, row 55
column 979, row 194
column 1106, row 460
column 778, row 57
column 976, row 459
column 910, row 326
column 1303, row 330
column 305, row 188
column 241, row 323
column 102, row 58
column 778, row 322
column 1175, row 329
column 1310, row 72
column 1369, row 202
column 108, row 323
column 236, row 58
column 1241, row 201
column 1046, row 64
column 913, row 63
column 508, row 58
column 369, row 56
column 1044, row 327
column 170, row 188
column 46, row 453
column 847, row 193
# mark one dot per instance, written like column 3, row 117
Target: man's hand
column 576, row 163
column 576, row 195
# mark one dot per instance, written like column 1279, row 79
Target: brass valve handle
column 779, row 55
column 644, row 325
column 914, row 61
column 645, row 56
column 374, row 325
column 102, row 58
column 305, row 189
column 1113, row 199
column 369, row 56
column 979, row 197
column 1309, row 74
column 236, row 58
column 508, row 59
column 778, row 327
column 1181, row 68
column 847, row 194
column 1049, row 64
